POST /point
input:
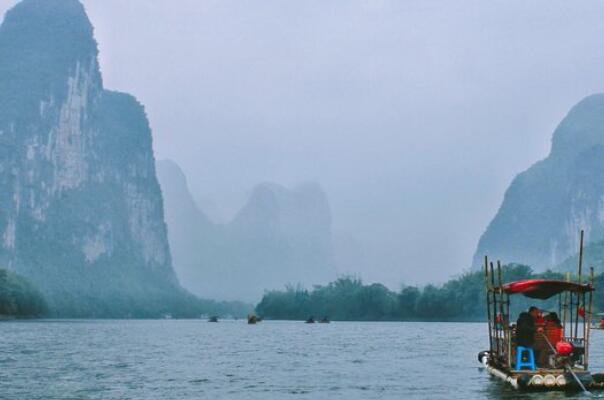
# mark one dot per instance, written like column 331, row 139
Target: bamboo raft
column 545, row 379
column 563, row 371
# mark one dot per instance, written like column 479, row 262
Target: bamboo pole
column 580, row 263
column 509, row 345
column 570, row 314
column 494, row 309
column 565, row 306
column 579, row 268
column 589, row 317
column 501, row 310
column 488, row 295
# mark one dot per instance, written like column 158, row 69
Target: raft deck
column 548, row 379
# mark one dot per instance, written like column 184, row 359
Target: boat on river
column 558, row 358
column 598, row 322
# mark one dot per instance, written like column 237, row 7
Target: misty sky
column 413, row 115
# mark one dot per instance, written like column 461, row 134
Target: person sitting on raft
column 553, row 328
column 525, row 330
column 537, row 315
column 540, row 346
column 529, row 327
column 553, row 333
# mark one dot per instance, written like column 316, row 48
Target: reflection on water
column 232, row 360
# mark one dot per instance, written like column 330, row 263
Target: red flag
column 581, row 312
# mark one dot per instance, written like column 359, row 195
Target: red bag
column 564, row 348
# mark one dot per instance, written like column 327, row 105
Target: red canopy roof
column 544, row 288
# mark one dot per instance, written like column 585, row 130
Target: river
column 195, row 359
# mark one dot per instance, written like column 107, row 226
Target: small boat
column 310, row 320
column 599, row 323
column 213, row 319
column 324, row 320
column 252, row 319
column 563, row 344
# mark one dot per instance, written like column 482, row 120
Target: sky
column 414, row 116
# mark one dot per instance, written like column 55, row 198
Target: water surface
column 172, row 359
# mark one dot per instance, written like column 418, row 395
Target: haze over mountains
column 409, row 178
column 414, row 116
column 547, row 206
column 415, row 124
column 279, row 237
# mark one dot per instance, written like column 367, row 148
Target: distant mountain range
column 547, row 206
column 81, row 211
column 279, row 237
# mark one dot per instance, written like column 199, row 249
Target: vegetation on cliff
column 18, row 297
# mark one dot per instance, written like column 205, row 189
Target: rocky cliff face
column 546, row 206
column 280, row 236
column 81, row 213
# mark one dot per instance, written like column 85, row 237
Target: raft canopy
column 543, row 289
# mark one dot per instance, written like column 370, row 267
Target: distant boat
column 252, row 319
column 310, row 320
column 599, row 324
column 324, row 320
column 213, row 319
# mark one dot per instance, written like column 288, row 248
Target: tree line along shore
column 346, row 299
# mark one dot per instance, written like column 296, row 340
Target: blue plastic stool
column 530, row 363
